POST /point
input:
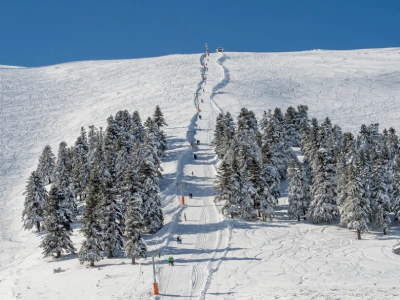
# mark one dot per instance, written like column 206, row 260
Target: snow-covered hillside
column 219, row 258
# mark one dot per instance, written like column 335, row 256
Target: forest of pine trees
column 354, row 180
column 109, row 181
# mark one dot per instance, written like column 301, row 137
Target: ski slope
column 219, row 258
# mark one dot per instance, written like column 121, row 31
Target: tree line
column 355, row 179
column 114, row 174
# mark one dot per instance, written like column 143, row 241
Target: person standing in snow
column 184, row 215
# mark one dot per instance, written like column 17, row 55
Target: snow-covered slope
column 219, row 258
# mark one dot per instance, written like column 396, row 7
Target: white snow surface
column 219, row 258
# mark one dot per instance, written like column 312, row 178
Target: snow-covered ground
column 219, row 258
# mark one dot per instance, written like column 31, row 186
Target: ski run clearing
column 219, row 258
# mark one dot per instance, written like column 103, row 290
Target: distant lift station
column 220, row 49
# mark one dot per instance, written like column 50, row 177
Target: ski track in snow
column 219, row 258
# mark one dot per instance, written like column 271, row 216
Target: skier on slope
column 170, row 260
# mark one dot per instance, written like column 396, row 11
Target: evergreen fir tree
column 137, row 127
column 91, row 250
column 158, row 118
column 355, row 208
column 247, row 121
column 58, row 225
column 323, row 204
column 270, row 172
column 218, row 135
column 81, row 166
column 45, row 169
column 110, row 217
column 298, row 192
column 64, row 182
column 382, row 206
column 393, row 144
column 35, row 195
column 110, row 147
column 301, row 120
column 134, row 245
column 93, row 141
column 153, row 215
column 226, row 187
column 292, row 131
column 341, row 176
column 396, row 189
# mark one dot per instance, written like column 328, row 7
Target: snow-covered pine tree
column 305, row 133
column 35, row 194
column 264, row 202
column 313, row 144
column 93, row 141
column 218, row 135
column 227, row 189
column 349, row 147
column 355, row 208
column 278, row 158
column 279, row 123
column 380, row 193
column 137, row 127
column 382, row 205
column 121, row 164
column 110, row 145
column 58, row 225
column 153, row 138
column 323, row 204
column 325, row 134
column 124, row 145
column 396, row 189
column 64, row 182
column 341, row 176
column 134, row 245
column 131, row 186
column 298, row 191
column 110, row 215
column 393, row 144
column 158, row 118
column 270, row 172
column 91, row 249
column 229, row 131
column 301, row 119
column 266, row 118
column 45, row 168
column 124, row 124
column 247, row 120
column 81, row 166
column 292, row 132
column 148, row 177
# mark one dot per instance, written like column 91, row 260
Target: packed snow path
column 204, row 234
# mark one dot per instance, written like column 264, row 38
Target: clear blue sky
column 44, row 32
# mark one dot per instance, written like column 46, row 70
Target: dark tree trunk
column 259, row 214
column 91, row 263
column 133, row 260
column 38, row 226
column 358, row 234
column 110, row 254
column 58, row 254
column 384, row 232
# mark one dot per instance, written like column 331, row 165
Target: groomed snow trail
column 204, row 233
